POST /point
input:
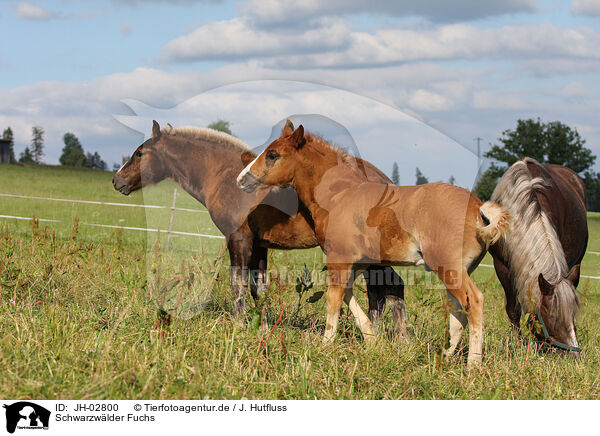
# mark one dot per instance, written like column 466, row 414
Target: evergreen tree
column 452, row 180
column 37, row 144
column 72, row 153
column 395, row 174
column 9, row 136
column 95, row 161
column 421, row 179
column 26, row 156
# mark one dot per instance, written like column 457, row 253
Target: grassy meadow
column 79, row 305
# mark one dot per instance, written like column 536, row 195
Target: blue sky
column 464, row 68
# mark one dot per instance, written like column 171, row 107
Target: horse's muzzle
column 248, row 182
column 121, row 186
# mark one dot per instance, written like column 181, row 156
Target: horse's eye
column 138, row 153
column 272, row 155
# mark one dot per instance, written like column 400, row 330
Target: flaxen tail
column 495, row 222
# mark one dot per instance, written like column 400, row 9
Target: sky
column 394, row 81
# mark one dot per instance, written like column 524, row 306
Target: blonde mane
column 210, row 135
column 531, row 243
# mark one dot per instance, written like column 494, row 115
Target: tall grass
column 79, row 310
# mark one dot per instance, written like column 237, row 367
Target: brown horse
column 538, row 260
column 359, row 223
column 205, row 162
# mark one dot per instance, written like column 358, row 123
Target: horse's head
column 559, row 307
column 144, row 167
column 276, row 165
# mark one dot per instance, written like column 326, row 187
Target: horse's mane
column 323, row 145
column 531, row 244
column 209, row 135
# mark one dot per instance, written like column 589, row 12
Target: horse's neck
column 319, row 171
column 194, row 166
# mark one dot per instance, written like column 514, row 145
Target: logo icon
column 26, row 415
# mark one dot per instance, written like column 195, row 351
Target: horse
column 204, row 162
column 359, row 223
column 538, row 260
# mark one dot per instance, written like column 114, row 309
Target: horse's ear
column 297, row 138
column 247, row 157
column 288, row 129
column 155, row 129
column 573, row 275
column 546, row 288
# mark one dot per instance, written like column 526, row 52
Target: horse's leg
column 461, row 287
column 513, row 307
column 457, row 321
column 374, row 278
column 240, row 251
column 340, row 289
column 395, row 297
column 362, row 320
column 383, row 284
column 258, row 279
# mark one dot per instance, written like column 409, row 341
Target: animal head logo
column 26, row 415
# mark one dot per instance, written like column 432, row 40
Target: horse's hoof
column 474, row 361
column 328, row 339
column 402, row 334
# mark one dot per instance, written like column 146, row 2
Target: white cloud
column 463, row 102
column 236, row 38
column 29, row 11
column 586, row 7
column 329, row 43
column 424, row 100
column 174, row 2
column 575, row 91
column 277, row 12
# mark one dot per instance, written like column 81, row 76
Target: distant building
column 4, row 151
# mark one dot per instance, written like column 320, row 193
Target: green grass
column 79, row 307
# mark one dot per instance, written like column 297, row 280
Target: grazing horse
column 538, row 260
column 359, row 223
column 205, row 162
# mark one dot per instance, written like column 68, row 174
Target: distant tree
column 452, row 180
column 221, row 125
column 26, row 156
column 421, row 179
column 95, row 161
column 72, row 153
column 117, row 166
column 37, row 144
column 487, row 182
column 395, row 174
column 8, row 135
column 552, row 142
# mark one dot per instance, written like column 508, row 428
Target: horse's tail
column 495, row 222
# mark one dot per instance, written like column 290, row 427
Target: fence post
column 171, row 218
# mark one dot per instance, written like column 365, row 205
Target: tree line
column 72, row 155
column 420, row 178
column 551, row 142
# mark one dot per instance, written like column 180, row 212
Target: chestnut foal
column 359, row 223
